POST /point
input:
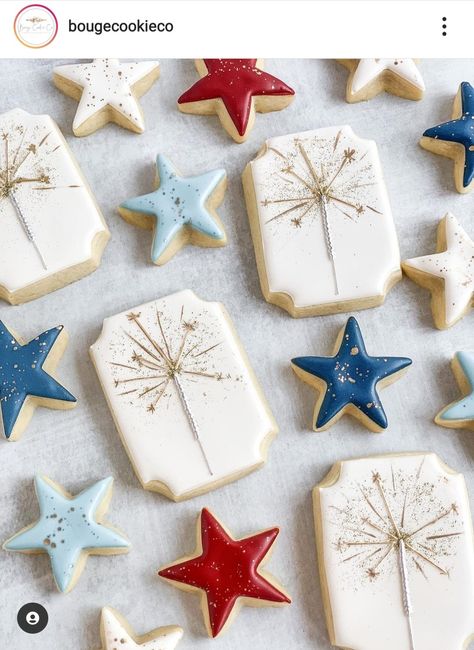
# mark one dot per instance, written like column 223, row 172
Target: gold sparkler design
column 384, row 533
column 12, row 178
column 316, row 183
column 154, row 366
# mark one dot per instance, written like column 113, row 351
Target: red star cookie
column 225, row 570
column 235, row 89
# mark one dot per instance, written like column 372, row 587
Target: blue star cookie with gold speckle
column 69, row 529
column 460, row 414
column 180, row 211
column 347, row 382
column 27, row 377
column 455, row 139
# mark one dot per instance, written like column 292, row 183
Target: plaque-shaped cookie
column 321, row 222
column 395, row 549
column 185, row 401
column 52, row 230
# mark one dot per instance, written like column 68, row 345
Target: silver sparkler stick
column 26, row 227
column 327, row 233
column 192, row 421
column 407, row 604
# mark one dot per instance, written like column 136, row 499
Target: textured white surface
column 80, row 446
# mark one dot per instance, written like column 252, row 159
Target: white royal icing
column 107, row 82
column 210, row 421
column 369, row 69
column 316, row 260
column 117, row 637
column 415, row 595
column 48, row 215
column 455, row 266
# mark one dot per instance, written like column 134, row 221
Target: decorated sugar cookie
column 235, row 89
column 321, row 222
column 369, row 77
column 52, row 230
column 69, row 529
column 107, row 91
column 116, row 634
column 460, row 413
column 27, row 377
column 448, row 273
column 347, row 382
column 455, row 139
column 226, row 572
column 394, row 537
column 181, row 210
column 185, row 401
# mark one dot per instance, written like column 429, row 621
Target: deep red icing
column 235, row 81
column 227, row 569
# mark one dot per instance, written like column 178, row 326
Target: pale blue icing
column 66, row 528
column 178, row 202
column 464, row 408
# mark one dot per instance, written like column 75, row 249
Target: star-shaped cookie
column 107, row 91
column 460, row 414
column 369, row 77
column 116, row 634
column 70, row 529
column 347, row 382
column 27, row 377
column 181, row 210
column 226, row 572
column 455, row 139
column 448, row 273
column 235, row 89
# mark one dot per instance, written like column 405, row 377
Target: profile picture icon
column 32, row 618
column 35, row 26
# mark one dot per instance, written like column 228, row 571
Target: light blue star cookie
column 181, row 210
column 69, row 529
column 460, row 414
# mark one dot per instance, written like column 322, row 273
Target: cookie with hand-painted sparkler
column 226, row 572
column 117, row 634
column 180, row 211
column 235, row 90
column 460, row 413
column 394, row 538
column 347, row 382
column 455, row 139
column 321, row 222
column 107, row 91
column 185, row 400
column 448, row 273
column 369, row 77
column 69, row 529
column 52, row 230
column 27, row 377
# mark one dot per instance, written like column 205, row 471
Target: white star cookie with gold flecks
column 394, row 538
column 107, row 91
column 321, row 222
column 369, row 77
column 448, row 273
column 116, row 634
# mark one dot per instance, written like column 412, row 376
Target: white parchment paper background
column 81, row 446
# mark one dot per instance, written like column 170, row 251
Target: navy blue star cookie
column 348, row 381
column 455, row 139
column 26, row 377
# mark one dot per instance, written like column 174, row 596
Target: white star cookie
column 448, row 274
column 116, row 634
column 107, row 91
column 369, row 77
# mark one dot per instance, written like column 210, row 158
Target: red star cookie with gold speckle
column 226, row 572
column 235, row 89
